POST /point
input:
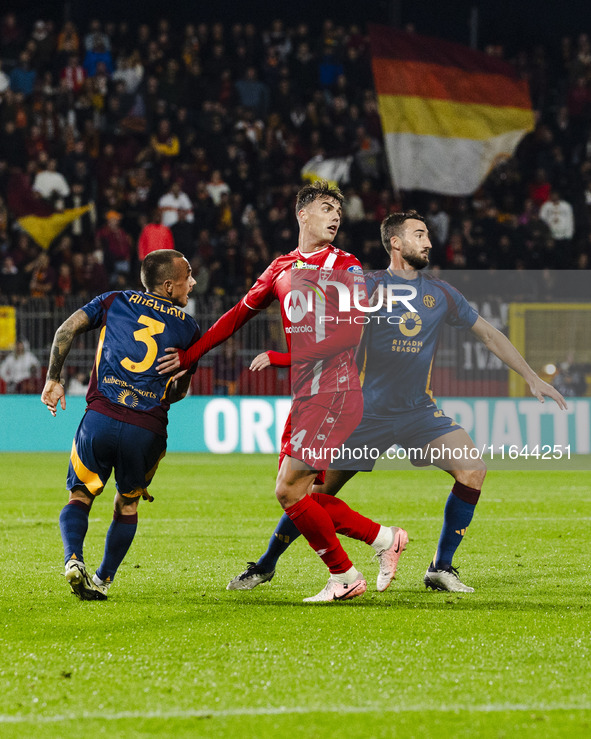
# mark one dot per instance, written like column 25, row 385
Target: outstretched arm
column 270, row 359
column 221, row 330
column 500, row 345
column 53, row 392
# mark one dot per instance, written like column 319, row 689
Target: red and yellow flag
column 449, row 114
column 44, row 229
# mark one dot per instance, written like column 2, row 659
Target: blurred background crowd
column 196, row 137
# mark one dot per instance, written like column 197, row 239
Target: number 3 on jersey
column 145, row 335
column 297, row 440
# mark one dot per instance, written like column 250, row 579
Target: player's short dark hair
column 318, row 189
column 158, row 266
column 392, row 226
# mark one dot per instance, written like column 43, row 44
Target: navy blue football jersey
column 395, row 357
column 135, row 328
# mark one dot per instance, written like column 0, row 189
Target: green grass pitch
column 173, row 654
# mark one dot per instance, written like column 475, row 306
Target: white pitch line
column 574, row 517
column 288, row 710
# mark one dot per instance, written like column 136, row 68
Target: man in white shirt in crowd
column 172, row 203
column 19, row 367
column 50, row 183
column 558, row 215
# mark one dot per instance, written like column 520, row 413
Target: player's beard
column 416, row 261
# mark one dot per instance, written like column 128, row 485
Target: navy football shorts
column 409, row 429
column 103, row 444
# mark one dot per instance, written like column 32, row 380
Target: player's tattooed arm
column 76, row 324
column 53, row 391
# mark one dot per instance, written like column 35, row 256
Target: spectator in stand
column 43, row 277
column 438, row 222
column 253, row 93
column 204, row 208
column 216, row 187
column 68, row 41
column 200, row 275
column 50, row 183
column 154, row 236
column 115, row 246
column 529, row 210
column 225, row 216
column 570, row 380
column 536, row 237
column 4, row 80
column 73, row 75
column 455, row 256
column 11, row 36
column 130, row 71
column 558, row 215
column 10, row 280
column 165, row 144
column 227, row 368
column 78, row 383
column 45, row 44
column 539, row 189
column 97, row 56
column 84, row 227
column 173, row 203
column 96, row 36
column 3, row 224
column 329, row 68
column 88, row 274
column 21, row 369
column 135, row 216
column 206, row 246
column 183, row 234
column 22, row 77
column 64, row 284
column 13, row 148
column 368, row 154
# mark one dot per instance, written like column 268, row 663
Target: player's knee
column 480, row 474
column 126, row 506
column 473, row 478
column 289, row 493
column 285, row 495
column 82, row 496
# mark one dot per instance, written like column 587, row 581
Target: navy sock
column 458, row 513
column 119, row 538
column 283, row 535
column 73, row 528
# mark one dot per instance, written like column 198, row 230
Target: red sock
column 347, row 521
column 314, row 523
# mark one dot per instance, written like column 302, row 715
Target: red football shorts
column 318, row 424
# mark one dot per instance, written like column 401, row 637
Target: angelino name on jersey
column 170, row 310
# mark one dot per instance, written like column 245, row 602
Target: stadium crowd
column 196, row 137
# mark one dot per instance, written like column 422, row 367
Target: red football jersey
column 319, row 294
column 321, row 336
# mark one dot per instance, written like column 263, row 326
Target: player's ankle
column 346, row 578
column 384, row 539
